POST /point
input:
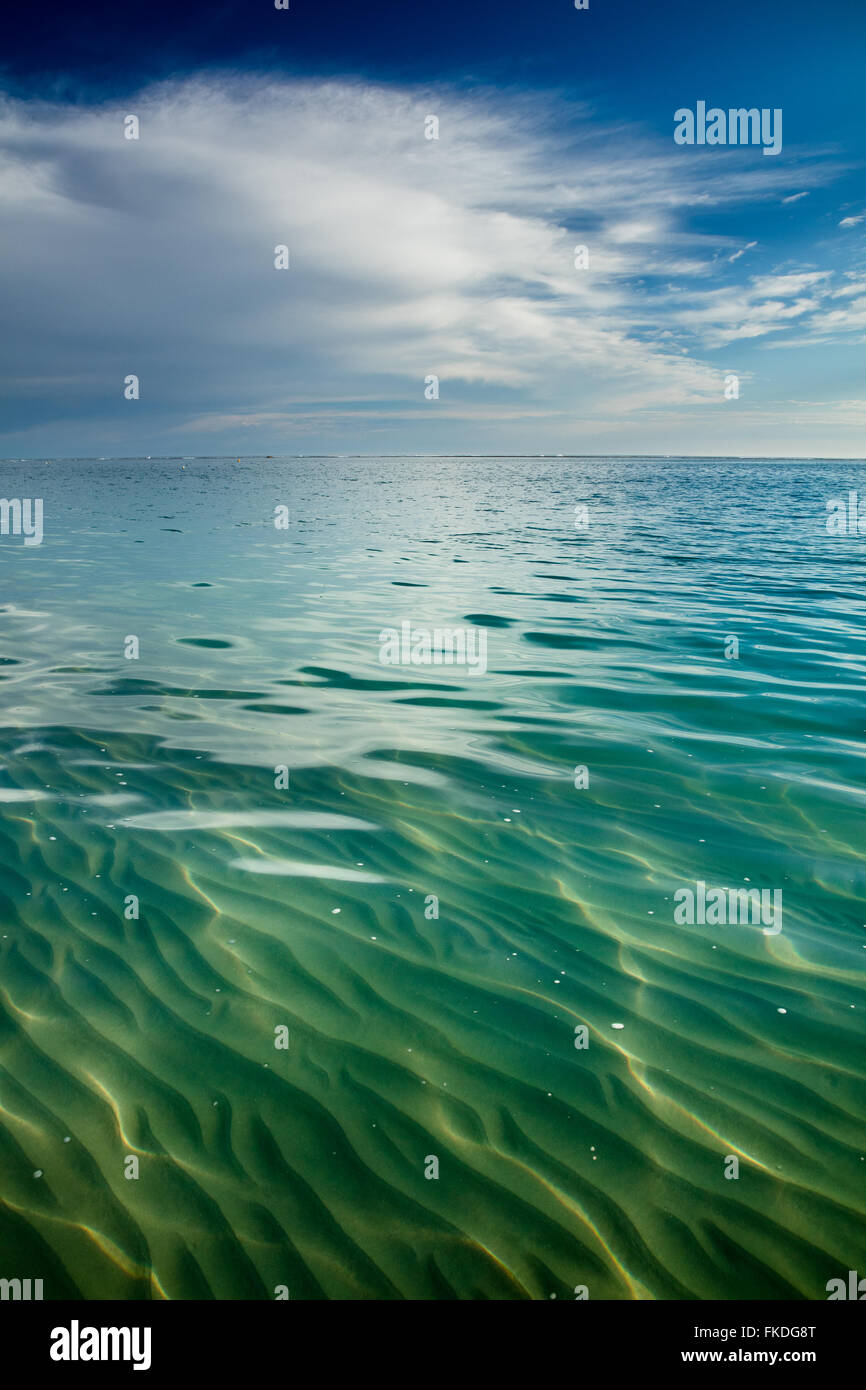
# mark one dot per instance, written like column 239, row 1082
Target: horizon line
column 196, row 458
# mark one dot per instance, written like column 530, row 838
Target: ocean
column 350, row 814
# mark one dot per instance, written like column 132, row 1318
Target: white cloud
column 409, row 257
column 770, row 304
column 749, row 246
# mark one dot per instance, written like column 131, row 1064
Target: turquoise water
column 308, row 907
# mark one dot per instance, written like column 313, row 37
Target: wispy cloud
column 409, row 257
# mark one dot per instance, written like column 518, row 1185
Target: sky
column 412, row 258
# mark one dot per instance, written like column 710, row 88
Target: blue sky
column 413, row 257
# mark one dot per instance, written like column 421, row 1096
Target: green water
column 308, row 907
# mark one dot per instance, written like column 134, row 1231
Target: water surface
column 309, row 907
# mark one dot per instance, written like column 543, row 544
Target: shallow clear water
column 410, row 1035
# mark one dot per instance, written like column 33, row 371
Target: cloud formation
column 409, row 257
